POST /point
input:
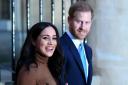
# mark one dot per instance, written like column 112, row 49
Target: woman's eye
column 55, row 38
column 49, row 38
column 46, row 38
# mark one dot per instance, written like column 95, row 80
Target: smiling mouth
column 50, row 49
column 81, row 31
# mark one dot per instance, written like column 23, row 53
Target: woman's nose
column 50, row 41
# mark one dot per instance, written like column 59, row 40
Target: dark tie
column 83, row 59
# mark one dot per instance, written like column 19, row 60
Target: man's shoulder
column 64, row 35
column 63, row 38
column 87, row 46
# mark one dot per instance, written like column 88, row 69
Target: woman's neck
column 41, row 59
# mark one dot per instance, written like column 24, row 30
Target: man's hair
column 81, row 6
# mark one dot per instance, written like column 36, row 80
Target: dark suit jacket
column 73, row 70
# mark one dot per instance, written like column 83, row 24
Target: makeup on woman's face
column 46, row 42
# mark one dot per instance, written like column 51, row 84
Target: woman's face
column 46, row 42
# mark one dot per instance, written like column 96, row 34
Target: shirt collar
column 75, row 41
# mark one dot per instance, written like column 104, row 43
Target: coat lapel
column 74, row 52
column 89, row 60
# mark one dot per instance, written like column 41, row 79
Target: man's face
column 80, row 24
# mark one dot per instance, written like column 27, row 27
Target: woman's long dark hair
column 28, row 57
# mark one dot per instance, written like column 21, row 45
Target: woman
column 40, row 62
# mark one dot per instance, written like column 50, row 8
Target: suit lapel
column 74, row 52
column 88, row 59
column 87, row 53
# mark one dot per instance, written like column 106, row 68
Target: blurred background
column 108, row 37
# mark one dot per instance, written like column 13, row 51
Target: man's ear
column 69, row 19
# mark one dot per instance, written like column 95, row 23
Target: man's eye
column 78, row 21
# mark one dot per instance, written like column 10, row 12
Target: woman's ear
column 33, row 43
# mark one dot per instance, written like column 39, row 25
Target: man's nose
column 82, row 25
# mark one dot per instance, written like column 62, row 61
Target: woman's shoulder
column 25, row 75
column 31, row 71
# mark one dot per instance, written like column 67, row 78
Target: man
column 77, row 70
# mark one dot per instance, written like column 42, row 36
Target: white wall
column 108, row 39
